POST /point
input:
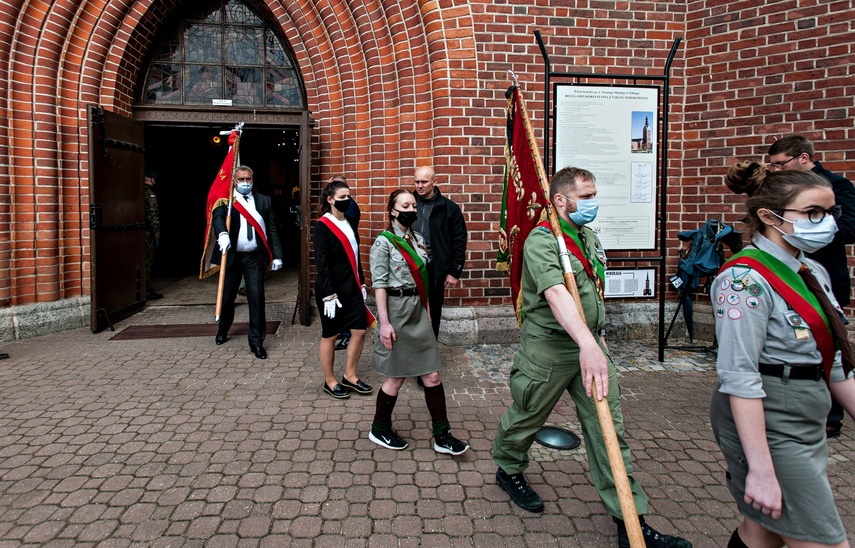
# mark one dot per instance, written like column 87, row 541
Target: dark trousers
column 835, row 416
column 436, row 296
column 249, row 267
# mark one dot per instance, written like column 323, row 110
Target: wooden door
column 116, row 216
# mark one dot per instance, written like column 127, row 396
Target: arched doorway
column 224, row 62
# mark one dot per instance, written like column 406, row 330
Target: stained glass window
column 223, row 53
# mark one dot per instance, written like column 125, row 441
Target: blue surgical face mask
column 244, row 188
column 586, row 211
column 807, row 236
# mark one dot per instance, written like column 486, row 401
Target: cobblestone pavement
column 179, row 442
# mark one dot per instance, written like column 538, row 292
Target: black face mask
column 342, row 205
column 406, row 218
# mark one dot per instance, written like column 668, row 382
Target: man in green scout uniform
column 152, row 231
column 559, row 351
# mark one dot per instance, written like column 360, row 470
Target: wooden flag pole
column 627, row 503
column 224, row 259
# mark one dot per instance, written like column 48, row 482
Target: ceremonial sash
column 418, row 268
column 593, row 268
column 348, row 249
column 254, row 224
column 793, row 289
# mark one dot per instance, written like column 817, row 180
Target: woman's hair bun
column 746, row 177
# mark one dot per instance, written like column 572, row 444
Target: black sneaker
column 388, row 439
column 449, row 445
column 521, row 493
column 652, row 537
column 833, row 430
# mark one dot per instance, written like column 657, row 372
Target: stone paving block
column 180, row 442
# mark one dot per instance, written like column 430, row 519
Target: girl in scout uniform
column 406, row 346
column 778, row 358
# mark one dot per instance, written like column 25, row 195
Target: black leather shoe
column 152, row 296
column 338, row 391
column 341, row 343
column 259, row 352
column 220, row 339
column 652, row 537
column 521, row 493
column 359, row 387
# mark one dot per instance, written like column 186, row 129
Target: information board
column 612, row 132
column 636, row 282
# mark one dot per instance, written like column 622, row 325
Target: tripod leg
column 676, row 312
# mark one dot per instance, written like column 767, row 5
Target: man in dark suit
column 253, row 242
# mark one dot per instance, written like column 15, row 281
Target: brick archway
column 377, row 77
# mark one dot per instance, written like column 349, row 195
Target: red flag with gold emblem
column 217, row 196
column 523, row 202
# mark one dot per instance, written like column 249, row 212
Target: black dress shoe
column 152, row 296
column 259, row 352
column 338, row 391
column 220, row 339
column 359, row 387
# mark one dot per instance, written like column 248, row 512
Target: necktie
column 249, row 229
column 836, row 324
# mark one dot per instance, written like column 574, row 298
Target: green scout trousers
column 536, row 387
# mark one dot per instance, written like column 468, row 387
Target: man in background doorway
column 795, row 153
column 441, row 224
column 152, row 231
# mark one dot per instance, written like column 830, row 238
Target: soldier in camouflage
column 152, row 231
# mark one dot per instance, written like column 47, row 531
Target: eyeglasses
column 817, row 214
column 780, row 165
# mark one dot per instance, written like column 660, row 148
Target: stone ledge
column 34, row 320
column 463, row 326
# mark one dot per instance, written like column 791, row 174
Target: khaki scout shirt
column 388, row 267
column 541, row 333
column 755, row 325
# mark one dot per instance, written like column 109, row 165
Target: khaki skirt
column 795, row 413
column 416, row 352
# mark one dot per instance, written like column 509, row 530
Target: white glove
column 276, row 264
column 224, row 242
column 364, row 293
column 330, row 304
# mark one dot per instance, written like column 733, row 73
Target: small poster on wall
column 612, row 132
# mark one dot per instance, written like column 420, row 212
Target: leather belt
column 796, row 372
column 402, row 292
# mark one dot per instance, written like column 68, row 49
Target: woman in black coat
column 339, row 290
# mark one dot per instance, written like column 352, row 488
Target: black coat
column 833, row 256
column 264, row 207
column 447, row 238
column 334, row 273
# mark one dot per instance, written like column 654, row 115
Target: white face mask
column 807, row 236
column 244, row 188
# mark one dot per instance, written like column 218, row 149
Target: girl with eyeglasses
column 782, row 349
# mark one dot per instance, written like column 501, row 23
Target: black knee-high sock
column 435, row 400
column 383, row 412
column 736, row 541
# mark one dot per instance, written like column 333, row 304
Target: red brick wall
column 756, row 72
column 397, row 84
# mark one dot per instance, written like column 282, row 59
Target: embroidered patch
column 752, row 302
column 734, row 313
column 725, row 284
column 733, row 299
column 719, row 299
column 755, row 289
column 719, row 312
